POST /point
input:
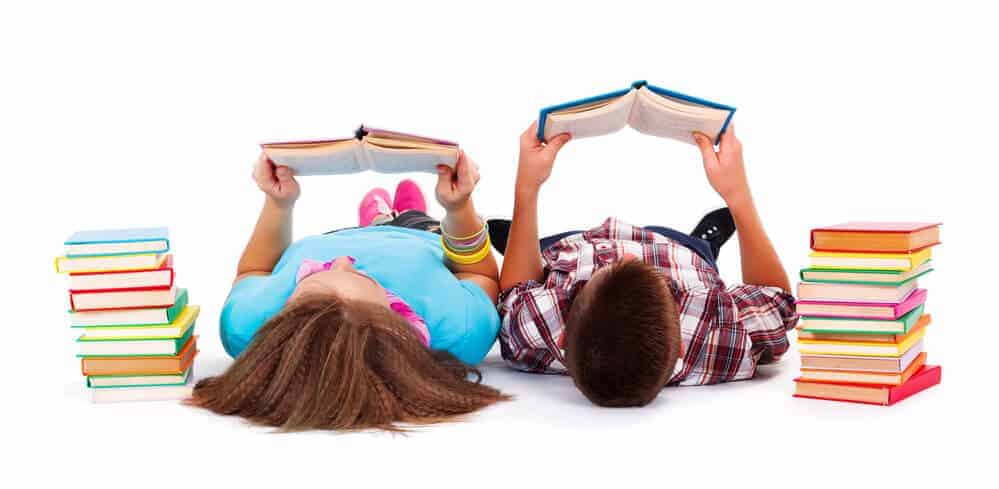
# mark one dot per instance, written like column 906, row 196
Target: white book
column 646, row 108
column 132, row 347
column 83, row 319
column 155, row 393
column 176, row 329
column 123, row 299
column 82, row 264
column 370, row 149
column 112, row 381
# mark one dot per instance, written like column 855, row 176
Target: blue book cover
column 119, row 236
column 543, row 116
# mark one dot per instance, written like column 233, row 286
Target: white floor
column 140, row 115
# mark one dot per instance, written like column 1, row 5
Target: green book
column 128, row 347
column 901, row 325
column 123, row 381
column 864, row 277
column 130, row 317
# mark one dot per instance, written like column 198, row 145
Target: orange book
column 876, row 237
column 921, row 323
column 139, row 365
column 857, row 377
column 926, row 377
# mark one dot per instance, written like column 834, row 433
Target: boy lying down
column 627, row 310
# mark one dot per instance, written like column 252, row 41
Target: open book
column 370, row 149
column 647, row 108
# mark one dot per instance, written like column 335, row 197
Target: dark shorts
column 410, row 220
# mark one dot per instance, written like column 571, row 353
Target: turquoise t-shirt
column 460, row 316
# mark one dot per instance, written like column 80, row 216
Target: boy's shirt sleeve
column 533, row 319
column 766, row 314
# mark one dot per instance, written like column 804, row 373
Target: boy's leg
column 707, row 238
column 697, row 245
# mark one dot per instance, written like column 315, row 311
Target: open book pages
column 375, row 149
column 643, row 109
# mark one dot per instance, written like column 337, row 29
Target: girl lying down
column 365, row 327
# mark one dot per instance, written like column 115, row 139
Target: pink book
column 862, row 310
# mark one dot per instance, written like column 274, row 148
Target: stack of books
column 863, row 316
column 137, row 340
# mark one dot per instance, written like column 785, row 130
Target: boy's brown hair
column 328, row 363
column 622, row 337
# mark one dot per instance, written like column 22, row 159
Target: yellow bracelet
column 471, row 259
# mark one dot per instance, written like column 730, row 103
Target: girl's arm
column 272, row 234
column 454, row 193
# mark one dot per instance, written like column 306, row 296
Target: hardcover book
column 862, row 310
column 868, row 277
column 890, row 365
column 818, row 291
column 109, row 263
column 925, row 378
column 176, row 329
column 92, row 281
column 370, row 149
column 861, row 377
column 860, row 349
column 90, row 347
column 122, row 299
column 847, row 329
column 118, row 242
column 870, row 261
column 646, row 108
column 160, row 316
column 153, row 393
column 116, row 381
column 144, row 365
column 876, row 237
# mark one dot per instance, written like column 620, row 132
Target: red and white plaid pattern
column 727, row 331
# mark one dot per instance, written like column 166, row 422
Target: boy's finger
column 728, row 138
column 283, row 173
column 707, row 149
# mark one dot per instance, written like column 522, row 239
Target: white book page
column 656, row 115
column 395, row 160
column 325, row 159
column 602, row 119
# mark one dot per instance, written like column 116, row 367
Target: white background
column 134, row 114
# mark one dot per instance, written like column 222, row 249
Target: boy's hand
column 277, row 182
column 536, row 158
column 725, row 169
column 455, row 186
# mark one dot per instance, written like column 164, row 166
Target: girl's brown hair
column 329, row 363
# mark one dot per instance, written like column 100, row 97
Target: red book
column 926, row 377
column 103, row 300
column 123, row 279
column 876, row 237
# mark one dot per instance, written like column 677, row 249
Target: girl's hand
column 455, row 186
column 277, row 182
column 725, row 169
column 536, row 159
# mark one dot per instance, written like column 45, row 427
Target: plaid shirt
column 727, row 331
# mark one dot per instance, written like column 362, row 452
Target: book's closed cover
column 928, row 376
column 915, row 258
column 146, row 365
column 860, row 348
column 916, row 298
column 170, row 313
column 164, row 290
column 118, row 236
column 167, row 266
column 911, row 322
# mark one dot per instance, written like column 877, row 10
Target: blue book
column 646, row 108
column 103, row 242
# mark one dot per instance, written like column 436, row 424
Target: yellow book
column 177, row 329
column 870, row 261
column 860, row 349
column 109, row 263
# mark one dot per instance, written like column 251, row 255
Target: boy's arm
column 522, row 261
column 454, row 193
column 727, row 175
column 272, row 234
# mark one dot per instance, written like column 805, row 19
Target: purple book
column 862, row 310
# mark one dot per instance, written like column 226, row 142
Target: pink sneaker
column 376, row 202
column 409, row 197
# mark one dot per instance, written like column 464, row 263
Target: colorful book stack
column 863, row 314
column 137, row 339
